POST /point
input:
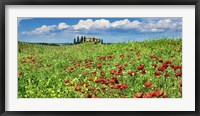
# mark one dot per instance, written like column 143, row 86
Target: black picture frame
column 99, row 2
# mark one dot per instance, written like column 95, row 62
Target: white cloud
column 157, row 30
column 44, row 29
column 167, row 23
column 126, row 24
column 103, row 24
column 85, row 24
column 41, row 30
column 90, row 24
column 62, row 25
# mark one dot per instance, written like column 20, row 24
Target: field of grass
column 149, row 69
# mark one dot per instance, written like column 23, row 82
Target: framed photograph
column 60, row 56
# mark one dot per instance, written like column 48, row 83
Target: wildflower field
column 148, row 69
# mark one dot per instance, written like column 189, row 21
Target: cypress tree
column 101, row 41
column 81, row 39
column 78, row 39
column 84, row 39
column 74, row 41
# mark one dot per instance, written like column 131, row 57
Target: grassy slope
column 44, row 76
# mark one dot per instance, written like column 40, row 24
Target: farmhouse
column 84, row 39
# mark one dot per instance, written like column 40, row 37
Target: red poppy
column 89, row 96
column 119, row 66
column 94, row 73
column 166, row 75
column 89, row 79
column 66, row 81
column 147, row 84
column 155, row 65
column 143, row 71
column 178, row 74
column 158, row 93
column 165, row 95
column 20, row 73
column 140, row 67
column 161, row 68
column 99, row 65
column 86, row 73
column 103, row 57
column 180, row 83
column 113, row 71
column 138, row 95
column 157, row 73
column 153, row 56
column 77, row 88
column 119, row 72
column 123, row 86
column 147, row 95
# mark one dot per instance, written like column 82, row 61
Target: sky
column 64, row 30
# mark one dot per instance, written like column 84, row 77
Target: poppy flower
column 140, row 67
column 94, row 73
column 138, row 52
column 20, row 73
column 71, row 69
column 89, row 79
column 112, row 86
column 86, row 73
column 89, row 96
column 147, row 84
column 113, row 71
column 147, row 95
column 130, row 72
column 103, row 57
column 118, row 85
column 165, row 95
column 178, row 74
column 138, row 95
column 66, row 81
column 77, row 88
column 123, row 86
column 119, row 66
column 169, row 62
column 83, row 91
column 158, row 93
column 180, row 83
column 153, row 56
column 99, row 65
column 102, row 74
column 119, row 72
column 155, row 65
column 157, row 73
column 104, row 87
column 143, row 71
column 161, row 68
column 167, row 75
column 176, row 67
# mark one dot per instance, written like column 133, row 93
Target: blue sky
column 64, row 30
